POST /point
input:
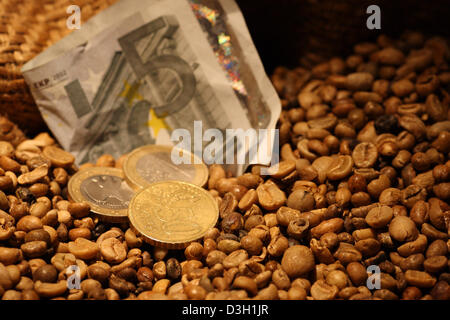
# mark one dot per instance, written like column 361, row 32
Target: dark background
column 284, row 30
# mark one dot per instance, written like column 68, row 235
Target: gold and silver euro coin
column 153, row 163
column 171, row 214
column 106, row 191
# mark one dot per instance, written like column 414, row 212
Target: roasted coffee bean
column 34, row 249
column 173, row 268
column 120, row 285
column 128, row 274
column 340, row 168
column 377, row 186
column 25, row 194
column 301, row 200
column 232, row 222
column 46, row 273
column 365, row 155
column 357, row 183
column 321, row 290
column 297, row 228
column 403, row 229
column 437, row 248
column 252, row 244
column 386, row 124
column 38, row 235
column 297, row 260
column 435, row 264
column 247, row 284
column 413, row 262
column 441, row 291
column 337, row 278
column 379, row 217
column 98, row 273
column 194, row 251
column 270, row 196
column 419, row 279
column 334, row 225
column 28, row 223
column 84, row 249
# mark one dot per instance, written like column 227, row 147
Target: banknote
column 143, row 68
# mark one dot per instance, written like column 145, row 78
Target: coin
column 153, row 163
column 172, row 214
column 105, row 189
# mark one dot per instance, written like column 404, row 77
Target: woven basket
column 27, row 28
column 285, row 32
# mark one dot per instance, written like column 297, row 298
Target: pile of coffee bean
column 357, row 208
column 365, row 175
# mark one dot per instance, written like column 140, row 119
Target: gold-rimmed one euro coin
column 106, row 191
column 171, row 214
column 153, row 163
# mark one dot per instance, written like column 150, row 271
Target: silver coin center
column 107, row 191
column 158, row 166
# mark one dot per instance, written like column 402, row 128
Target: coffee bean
column 38, row 235
column 29, row 223
column 379, row 217
column 419, row 279
column 356, row 183
column 34, row 249
column 337, row 278
column 347, row 253
column 390, row 56
column 297, row 228
column 321, row 290
column 413, row 262
column 25, row 194
column 232, row 222
column 412, row 247
column 247, row 284
column 270, row 196
column 386, row 124
column 173, row 269
column 98, row 273
column 234, row 258
column 46, row 273
column 252, row 244
column 403, row 229
column 297, row 260
column 437, row 248
column 413, row 124
column 365, row 155
column 83, row 248
column 79, row 233
column 79, row 210
column 334, row 225
column 113, row 250
column 301, row 200
column 441, row 291
column 340, row 168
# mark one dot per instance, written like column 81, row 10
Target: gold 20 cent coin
column 153, row 163
column 105, row 189
column 172, row 214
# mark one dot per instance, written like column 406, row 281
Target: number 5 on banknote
column 148, row 62
column 146, row 56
